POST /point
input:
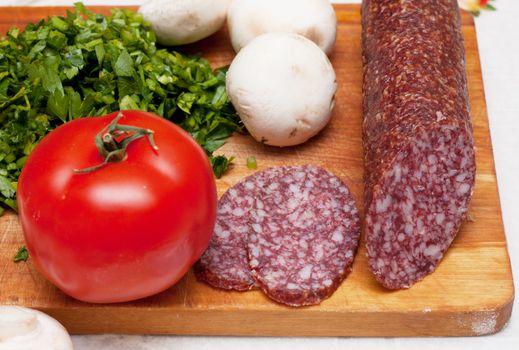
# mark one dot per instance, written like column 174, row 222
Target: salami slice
column 417, row 135
column 305, row 232
column 225, row 263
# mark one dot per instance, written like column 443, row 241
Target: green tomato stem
column 113, row 150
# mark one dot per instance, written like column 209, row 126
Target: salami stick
column 417, row 135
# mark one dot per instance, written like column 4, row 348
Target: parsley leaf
column 124, row 65
column 22, row 255
column 220, row 164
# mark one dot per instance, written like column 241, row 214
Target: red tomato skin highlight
column 125, row 231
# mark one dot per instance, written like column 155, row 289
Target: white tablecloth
column 498, row 38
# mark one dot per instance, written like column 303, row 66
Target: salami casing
column 417, row 135
column 305, row 232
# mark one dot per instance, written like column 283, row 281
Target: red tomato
column 127, row 230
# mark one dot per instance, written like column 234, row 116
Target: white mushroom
column 282, row 86
column 26, row 329
column 179, row 22
column 314, row 19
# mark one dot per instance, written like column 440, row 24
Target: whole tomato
column 122, row 230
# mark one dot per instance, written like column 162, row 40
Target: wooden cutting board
column 471, row 292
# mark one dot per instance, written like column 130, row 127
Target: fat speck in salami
column 305, row 232
column 417, row 135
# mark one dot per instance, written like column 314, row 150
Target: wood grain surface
column 471, row 292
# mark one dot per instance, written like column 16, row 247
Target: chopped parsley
column 87, row 64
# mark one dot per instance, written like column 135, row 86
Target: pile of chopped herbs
column 86, row 64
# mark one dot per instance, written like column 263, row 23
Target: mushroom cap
column 24, row 329
column 179, row 22
column 314, row 19
column 282, row 86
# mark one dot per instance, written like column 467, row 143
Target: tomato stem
column 112, row 149
column 109, row 142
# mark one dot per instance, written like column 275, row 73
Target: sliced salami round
column 305, row 232
column 225, row 264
